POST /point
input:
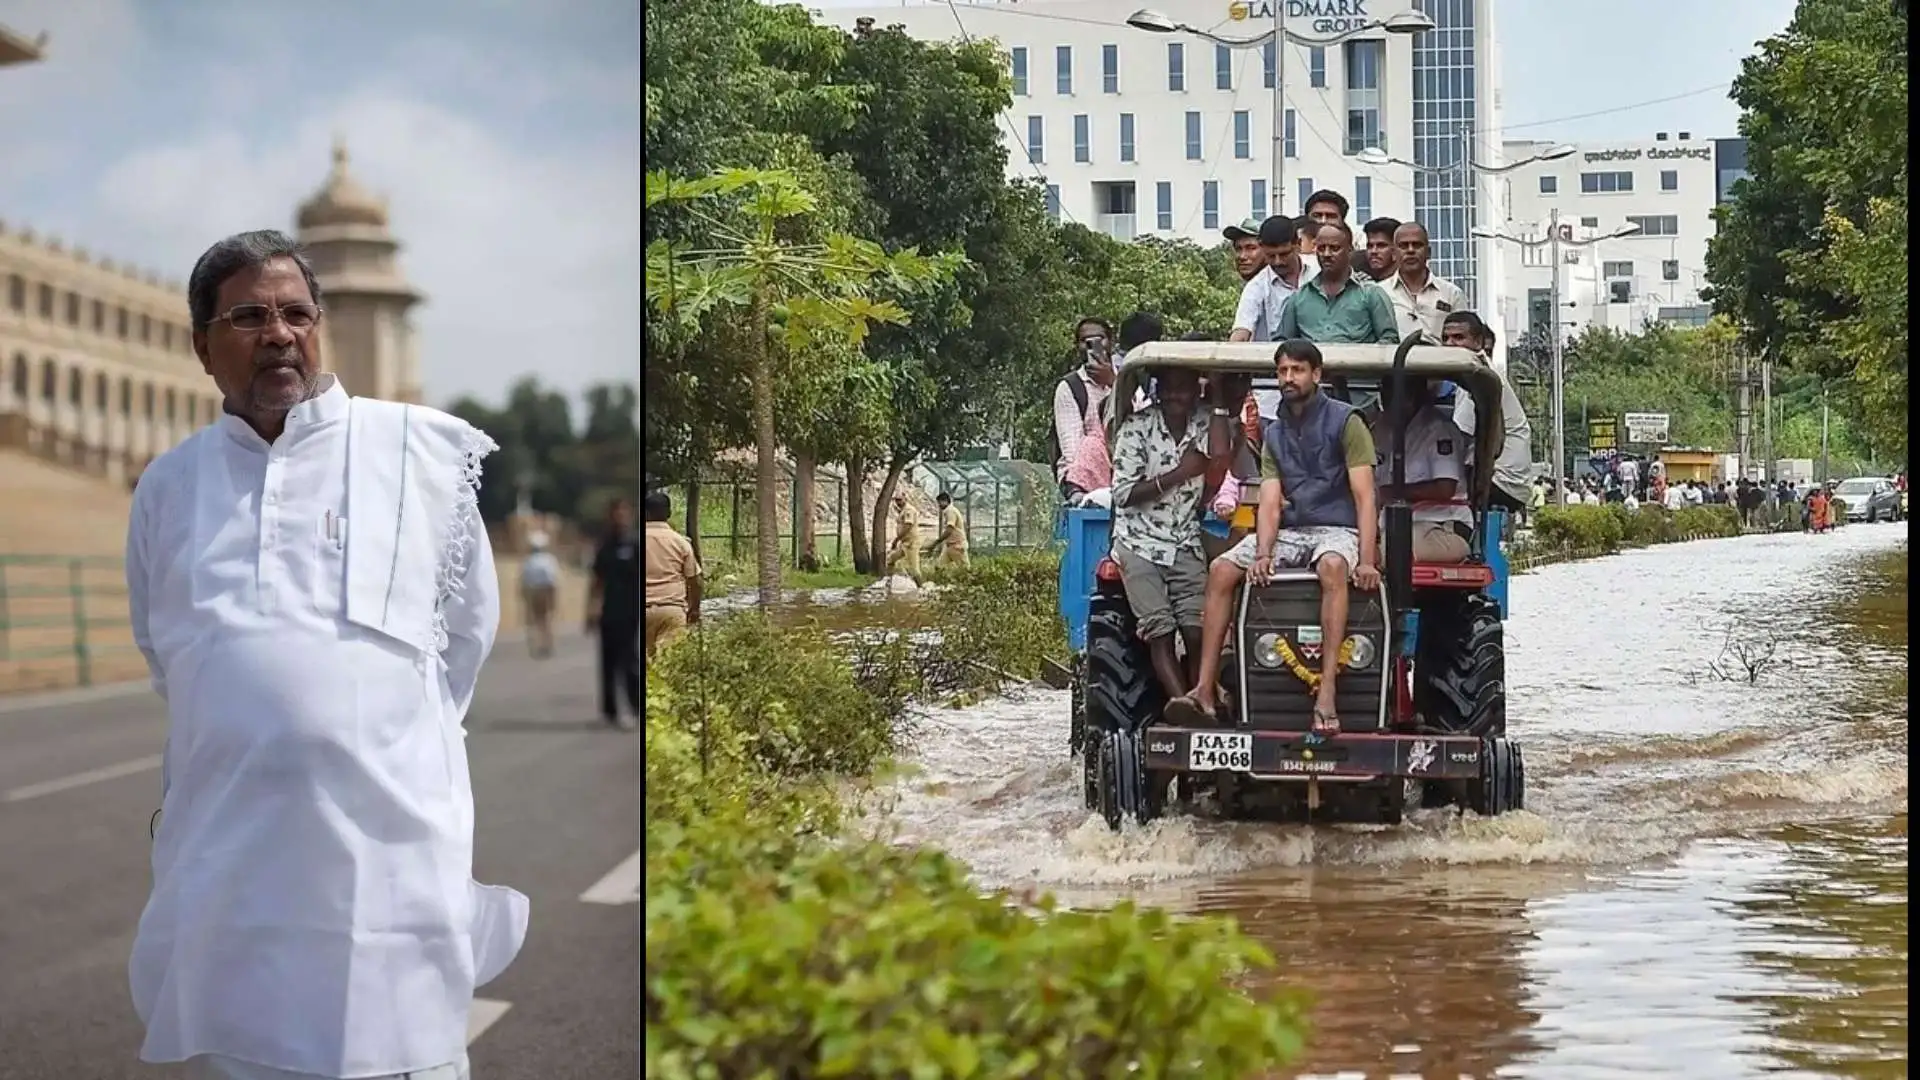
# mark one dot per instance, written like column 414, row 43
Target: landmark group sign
column 1319, row 16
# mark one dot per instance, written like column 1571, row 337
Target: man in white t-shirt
column 1676, row 496
column 1436, row 479
column 1465, row 330
column 1695, row 494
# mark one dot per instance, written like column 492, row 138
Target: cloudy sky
column 505, row 133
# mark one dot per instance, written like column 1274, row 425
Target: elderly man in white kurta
column 314, row 592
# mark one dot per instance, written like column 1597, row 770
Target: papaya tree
column 753, row 262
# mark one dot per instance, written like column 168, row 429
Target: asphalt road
column 558, row 809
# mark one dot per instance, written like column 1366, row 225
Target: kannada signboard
column 1647, row 427
column 1602, row 434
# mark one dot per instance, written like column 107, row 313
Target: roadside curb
column 1522, row 564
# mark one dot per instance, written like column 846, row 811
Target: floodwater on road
column 1710, row 881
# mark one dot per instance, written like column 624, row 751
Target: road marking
column 620, row 886
column 91, row 776
column 484, row 1015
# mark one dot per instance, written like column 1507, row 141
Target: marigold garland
column 1299, row 668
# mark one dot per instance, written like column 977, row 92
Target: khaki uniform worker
column 673, row 575
column 904, row 555
column 1436, row 479
column 951, row 541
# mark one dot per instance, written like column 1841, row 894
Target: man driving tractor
column 1316, row 462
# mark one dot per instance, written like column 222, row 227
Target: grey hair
column 241, row 251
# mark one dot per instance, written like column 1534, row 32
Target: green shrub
column 786, row 698
column 1650, row 524
column 1580, row 528
column 1696, row 521
column 870, row 961
column 1001, row 616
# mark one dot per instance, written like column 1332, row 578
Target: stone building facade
column 97, row 368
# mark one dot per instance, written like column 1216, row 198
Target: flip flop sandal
column 1187, row 712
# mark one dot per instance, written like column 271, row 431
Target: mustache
column 268, row 359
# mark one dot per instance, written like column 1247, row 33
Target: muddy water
column 1710, row 881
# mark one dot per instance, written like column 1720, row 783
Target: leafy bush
column 1001, row 616
column 1697, row 521
column 785, row 698
column 1650, row 524
column 1579, row 528
column 870, row 961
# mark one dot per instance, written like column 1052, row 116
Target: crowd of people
column 1200, row 473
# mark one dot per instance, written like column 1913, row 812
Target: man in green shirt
column 1333, row 308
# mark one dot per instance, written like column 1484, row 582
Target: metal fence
column 63, row 622
column 728, row 515
column 1005, row 503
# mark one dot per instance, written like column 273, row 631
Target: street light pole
column 1275, row 197
column 1557, row 359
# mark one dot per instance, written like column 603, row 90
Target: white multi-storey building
column 1136, row 133
column 1667, row 185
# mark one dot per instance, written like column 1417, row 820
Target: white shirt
column 1693, row 495
column 1676, row 497
column 1629, row 471
column 1436, row 450
column 1591, row 498
column 540, row 571
column 1262, row 297
column 1515, row 462
column 312, row 908
column 1069, row 423
column 1425, row 310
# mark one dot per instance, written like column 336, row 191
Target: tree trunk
column 803, row 503
column 895, row 466
column 766, row 480
column 693, row 516
column 856, row 515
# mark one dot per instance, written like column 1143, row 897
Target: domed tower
column 369, row 339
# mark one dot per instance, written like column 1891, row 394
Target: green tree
column 748, row 266
column 1824, row 111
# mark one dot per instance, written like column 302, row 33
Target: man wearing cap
column 1266, row 292
column 1248, row 258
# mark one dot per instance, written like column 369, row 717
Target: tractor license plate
column 1209, row 750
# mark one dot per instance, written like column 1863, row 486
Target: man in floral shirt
column 1159, row 469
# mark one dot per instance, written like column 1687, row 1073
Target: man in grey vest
column 1316, row 463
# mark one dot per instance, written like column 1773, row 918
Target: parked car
column 1870, row 498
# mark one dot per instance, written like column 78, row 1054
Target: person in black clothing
column 613, row 612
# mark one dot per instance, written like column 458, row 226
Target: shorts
column 1439, row 542
column 1301, row 547
column 1164, row 598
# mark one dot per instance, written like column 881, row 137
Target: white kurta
column 313, row 908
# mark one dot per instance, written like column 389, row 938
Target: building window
column 17, row 293
column 1126, row 136
column 1110, row 69
column 126, row 397
column 1656, row 224
column 1037, row 139
column 1549, row 185
column 49, row 382
column 1306, row 190
column 73, row 309
column 1193, row 136
column 1669, row 180
column 1363, row 199
column 1163, row 206
column 1210, row 204
column 1619, row 292
column 1020, row 71
column 1623, row 269
column 1670, row 270
column 1222, row 68
column 1063, row 69
column 1259, row 199
column 22, row 378
column 46, row 301
column 100, row 394
column 1289, row 145
column 146, row 401
column 99, row 317
column 1082, row 139
column 170, row 406
column 121, row 322
column 146, row 330
column 1364, row 62
column 1444, row 76
column 76, row 388
column 1053, row 201
column 1266, row 65
column 1589, row 222
column 1317, row 67
column 1176, row 66
column 1242, row 135
column 193, row 412
column 1600, row 183
column 166, row 336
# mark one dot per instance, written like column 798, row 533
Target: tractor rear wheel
column 1502, row 785
column 1460, row 668
column 1122, row 693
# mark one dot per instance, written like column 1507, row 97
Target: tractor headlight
column 1361, row 652
column 1266, row 650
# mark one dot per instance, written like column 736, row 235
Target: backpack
column 1076, row 386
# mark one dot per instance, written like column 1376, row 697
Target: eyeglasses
column 256, row 317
